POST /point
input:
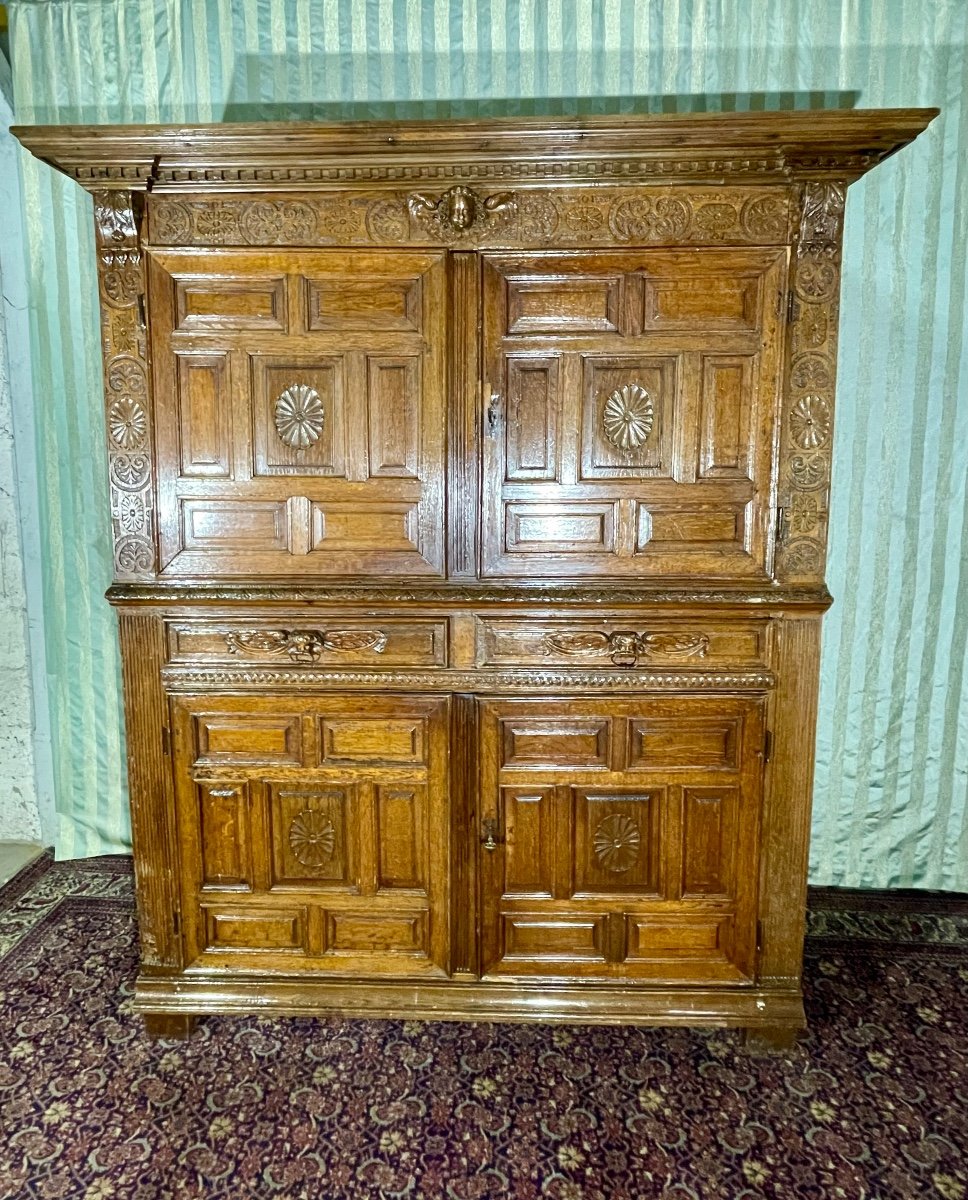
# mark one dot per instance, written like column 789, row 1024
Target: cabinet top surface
column 702, row 147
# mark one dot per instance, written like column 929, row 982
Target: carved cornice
column 701, row 147
column 187, row 679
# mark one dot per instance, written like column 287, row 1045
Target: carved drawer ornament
column 458, row 209
column 305, row 646
column 299, row 416
column 628, row 417
column 626, row 647
column 616, row 841
column 312, row 838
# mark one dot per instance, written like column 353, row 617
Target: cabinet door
column 314, row 832
column 300, row 411
column 630, row 406
column 623, row 838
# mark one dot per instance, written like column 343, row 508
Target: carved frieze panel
column 470, row 217
column 807, row 423
column 126, row 385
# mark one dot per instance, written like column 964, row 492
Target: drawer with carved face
column 324, row 640
column 622, row 641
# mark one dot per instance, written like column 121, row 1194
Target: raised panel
column 310, row 830
column 569, row 528
column 299, row 415
column 265, row 739
column 375, row 740
column 689, row 526
column 228, row 303
column 555, row 741
column 529, row 833
column 364, row 527
column 708, row 840
column 726, row 445
column 554, row 938
column 402, row 832
column 224, row 835
column 694, row 299
column 628, row 417
column 253, row 928
column 617, row 844
column 531, row 427
column 203, row 415
column 684, row 741
column 238, row 526
column 680, row 937
column 569, row 304
column 376, row 933
column 393, row 412
column 368, row 303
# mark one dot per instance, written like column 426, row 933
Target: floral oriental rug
column 871, row 1105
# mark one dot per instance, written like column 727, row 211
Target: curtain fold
column 892, row 766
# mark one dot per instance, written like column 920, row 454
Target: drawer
column 324, row 641
column 624, row 641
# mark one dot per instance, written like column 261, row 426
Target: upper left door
column 300, row 411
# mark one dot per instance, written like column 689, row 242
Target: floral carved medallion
column 616, row 841
column 810, row 422
column 628, row 417
column 299, row 416
column 312, row 838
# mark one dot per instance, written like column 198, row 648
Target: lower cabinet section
column 595, row 843
column 316, row 831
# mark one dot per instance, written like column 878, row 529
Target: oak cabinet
column 469, row 488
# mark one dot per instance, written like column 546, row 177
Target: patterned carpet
column 873, row 1105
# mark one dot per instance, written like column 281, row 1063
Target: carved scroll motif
column 807, row 422
column 303, row 645
column 626, row 647
column 126, row 385
column 561, row 216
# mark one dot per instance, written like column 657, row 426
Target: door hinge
column 759, row 936
column 142, row 314
column 176, row 924
column 166, row 741
column 767, row 746
column 781, row 526
column 792, row 308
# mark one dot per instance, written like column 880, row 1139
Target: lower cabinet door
column 620, row 838
column 314, row 832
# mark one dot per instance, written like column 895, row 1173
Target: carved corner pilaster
column 808, row 409
column 127, row 386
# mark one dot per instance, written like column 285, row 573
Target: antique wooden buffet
column 469, row 499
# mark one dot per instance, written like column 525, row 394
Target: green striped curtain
column 893, row 740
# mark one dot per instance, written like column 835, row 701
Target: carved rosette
column 312, row 838
column 807, row 424
column 127, row 388
column 566, row 217
column 617, row 841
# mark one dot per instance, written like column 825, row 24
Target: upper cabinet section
column 508, row 350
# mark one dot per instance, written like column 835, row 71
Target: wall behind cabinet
column 893, row 739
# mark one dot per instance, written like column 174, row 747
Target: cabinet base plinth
column 171, row 1027
column 578, row 1004
column 770, row 1039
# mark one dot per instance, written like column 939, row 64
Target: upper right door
column 629, row 409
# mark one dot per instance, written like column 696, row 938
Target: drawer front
column 622, row 640
column 314, row 832
column 326, row 641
